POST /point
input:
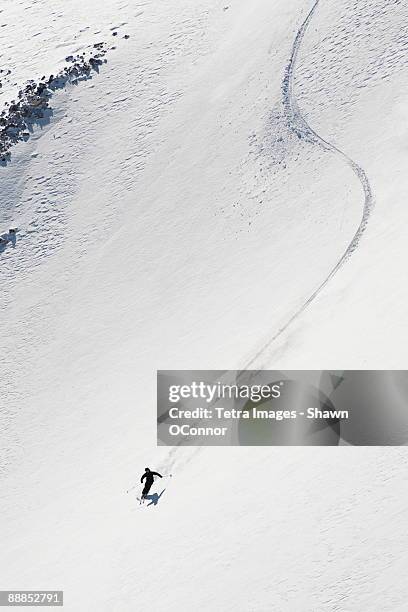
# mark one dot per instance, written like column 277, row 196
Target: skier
column 149, row 475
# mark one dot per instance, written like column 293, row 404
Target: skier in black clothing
column 149, row 475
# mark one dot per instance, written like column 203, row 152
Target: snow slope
column 175, row 214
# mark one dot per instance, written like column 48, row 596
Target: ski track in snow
column 298, row 124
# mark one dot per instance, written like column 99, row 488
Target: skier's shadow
column 154, row 498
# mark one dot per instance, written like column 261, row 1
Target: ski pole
column 137, row 484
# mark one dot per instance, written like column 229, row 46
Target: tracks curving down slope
column 298, row 124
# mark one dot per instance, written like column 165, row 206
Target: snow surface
column 184, row 208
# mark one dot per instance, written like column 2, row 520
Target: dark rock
column 33, row 99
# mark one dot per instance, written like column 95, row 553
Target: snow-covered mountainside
column 227, row 190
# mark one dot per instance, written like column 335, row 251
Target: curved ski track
column 298, row 123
